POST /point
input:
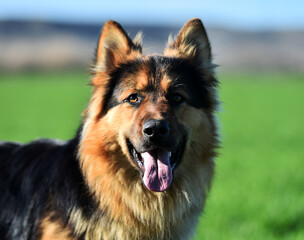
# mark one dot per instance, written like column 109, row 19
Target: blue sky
column 258, row 14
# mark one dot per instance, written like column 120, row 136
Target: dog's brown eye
column 177, row 98
column 133, row 98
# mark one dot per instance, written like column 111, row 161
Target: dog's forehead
column 144, row 81
column 151, row 73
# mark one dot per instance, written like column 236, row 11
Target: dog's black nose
column 156, row 129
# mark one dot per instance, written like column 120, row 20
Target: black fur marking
column 36, row 179
column 195, row 83
column 186, row 76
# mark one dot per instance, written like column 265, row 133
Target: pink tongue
column 158, row 173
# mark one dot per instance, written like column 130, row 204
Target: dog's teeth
column 170, row 153
column 134, row 152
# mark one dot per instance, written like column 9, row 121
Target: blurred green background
column 258, row 190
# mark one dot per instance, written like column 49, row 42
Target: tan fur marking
column 165, row 83
column 54, row 231
column 142, row 80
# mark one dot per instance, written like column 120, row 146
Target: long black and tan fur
column 142, row 162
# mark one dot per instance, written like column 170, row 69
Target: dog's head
column 150, row 111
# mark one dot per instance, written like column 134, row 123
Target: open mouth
column 156, row 165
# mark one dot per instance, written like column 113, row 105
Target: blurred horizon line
column 56, row 45
column 213, row 25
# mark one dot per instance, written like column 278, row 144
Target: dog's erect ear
column 114, row 47
column 191, row 43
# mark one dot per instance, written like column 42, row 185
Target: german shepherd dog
column 142, row 161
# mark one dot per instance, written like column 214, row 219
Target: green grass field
column 258, row 192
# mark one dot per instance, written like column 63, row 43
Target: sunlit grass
column 258, row 189
column 258, row 192
column 42, row 105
